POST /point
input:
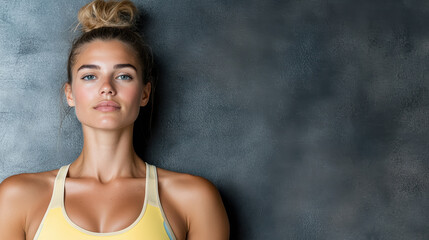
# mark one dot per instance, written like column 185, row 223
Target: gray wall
column 311, row 117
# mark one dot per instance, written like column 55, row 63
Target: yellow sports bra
column 151, row 223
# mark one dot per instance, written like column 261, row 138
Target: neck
column 108, row 155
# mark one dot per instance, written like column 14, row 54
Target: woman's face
column 107, row 88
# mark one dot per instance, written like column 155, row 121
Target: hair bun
column 99, row 13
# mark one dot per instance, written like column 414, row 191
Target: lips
column 107, row 106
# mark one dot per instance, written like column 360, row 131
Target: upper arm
column 207, row 217
column 12, row 210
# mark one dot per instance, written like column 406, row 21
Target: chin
column 106, row 124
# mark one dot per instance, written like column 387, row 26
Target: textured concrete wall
column 311, row 117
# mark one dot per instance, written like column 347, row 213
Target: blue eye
column 124, row 77
column 88, row 77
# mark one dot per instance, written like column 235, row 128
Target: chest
column 106, row 208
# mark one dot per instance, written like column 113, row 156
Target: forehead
column 106, row 53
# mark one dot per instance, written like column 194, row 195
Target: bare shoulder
column 187, row 186
column 27, row 184
column 22, row 190
column 198, row 201
column 20, row 196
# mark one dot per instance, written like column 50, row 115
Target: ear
column 69, row 95
column 145, row 94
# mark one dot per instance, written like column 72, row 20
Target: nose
column 107, row 88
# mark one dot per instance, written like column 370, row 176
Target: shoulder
column 24, row 184
column 20, row 196
column 189, row 187
column 199, row 202
column 22, row 190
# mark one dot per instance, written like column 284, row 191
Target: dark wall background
column 311, row 117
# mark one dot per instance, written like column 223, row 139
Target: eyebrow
column 124, row 65
column 88, row 66
column 117, row 66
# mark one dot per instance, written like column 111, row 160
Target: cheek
column 83, row 99
column 133, row 96
column 82, row 96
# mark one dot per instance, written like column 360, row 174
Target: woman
column 108, row 192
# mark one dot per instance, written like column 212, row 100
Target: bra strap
column 152, row 191
column 153, row 196
column 57, row 195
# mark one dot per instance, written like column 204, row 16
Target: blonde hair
column 114, row 20
column 99, row 13
column 111, row 20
